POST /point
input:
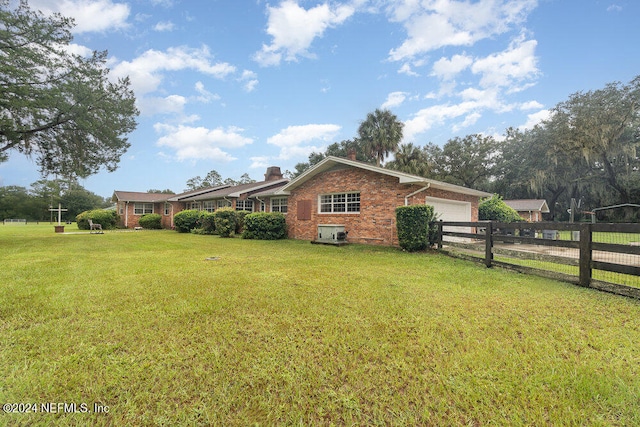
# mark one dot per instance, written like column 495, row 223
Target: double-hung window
column 244, row 205
column 222, row 203
column 340, row 203
column 279, row 204
column 142, row 208
column 209, row 206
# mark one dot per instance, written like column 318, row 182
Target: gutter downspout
column 126, row 215
column 261, row 201
column 406, row 198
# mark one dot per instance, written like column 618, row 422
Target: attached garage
column 451, row 210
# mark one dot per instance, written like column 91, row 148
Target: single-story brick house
column 362, row 198
column 357, row 197
column 252, row 197
column 529, row 209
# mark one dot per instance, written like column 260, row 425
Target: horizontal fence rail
column 599, row 256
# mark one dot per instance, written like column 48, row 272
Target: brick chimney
column 351, row 154
column 273, row 173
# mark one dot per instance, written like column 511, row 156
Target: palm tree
column 410, row 159
column 381, row 133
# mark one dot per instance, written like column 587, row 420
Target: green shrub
column 207, row 223
column 151, row 221
column 265, row 226
column 240, row 215
column 225, row 220
column 106, row 218
column 414, row 223
column 495, row 209
column 187, row 220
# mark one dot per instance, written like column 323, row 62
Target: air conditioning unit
column 331, row 233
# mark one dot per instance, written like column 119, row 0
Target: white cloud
column 77, row 49
column 164, row 26
column 293, row 30
column 294, row 140
column 146, row 70
column 195, row 143
column 435, row 115
column 89, row 15
column 530, row 105
column 446, row 69
column 435, row 24
column 535, row 118
column 172, row 104
column 260, row 162
column 249, row 79
column 394, row 99
column 509, row 68
column 406, row 69
column 204, row 95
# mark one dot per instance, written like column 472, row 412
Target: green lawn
column 288, row 333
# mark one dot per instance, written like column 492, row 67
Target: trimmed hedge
column 265, row 226
column 240, row 216
column 151, row 221
column 207, row 223
column 413, row 224
column 225, row 220
column 107, row 219
column 187, row 220
column 495, row 209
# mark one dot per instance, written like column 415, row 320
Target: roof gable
column 135, row 196
column 528, row 205
column 234, row 191
column 330, row 162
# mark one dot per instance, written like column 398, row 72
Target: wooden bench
column 97, row 228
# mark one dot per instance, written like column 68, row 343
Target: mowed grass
column 289, row 333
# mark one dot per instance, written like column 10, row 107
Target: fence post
column 488, row 244
column 585, row 255
column 439, row 239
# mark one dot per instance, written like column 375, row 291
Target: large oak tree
column 58, row 107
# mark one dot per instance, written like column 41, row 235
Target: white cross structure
column 59, row 210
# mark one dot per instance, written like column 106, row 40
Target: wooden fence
column 522, row 241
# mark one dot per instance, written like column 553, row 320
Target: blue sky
column 238, row 86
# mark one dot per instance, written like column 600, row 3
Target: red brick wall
column 379, row 197
column 129, row 219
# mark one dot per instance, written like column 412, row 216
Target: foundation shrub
column 187, row 220
column 414, row 225
column 207, row 223
column 265, row 226
column 240, row 215
column 151, row 221
column 225, row 220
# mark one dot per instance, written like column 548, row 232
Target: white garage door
column 451, row 210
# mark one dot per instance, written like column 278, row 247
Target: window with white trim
column 142, row 208
column 279, row 204
column 167, row 208
column 223, row 204
column 340, row 203
column 244, row 205
column 209, row 206
column 194, row 206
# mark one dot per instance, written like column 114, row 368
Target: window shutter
column 304, row 210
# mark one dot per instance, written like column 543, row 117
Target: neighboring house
column 529, row 209
column 363, row 198
column 252, row 197
column 358, row 197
